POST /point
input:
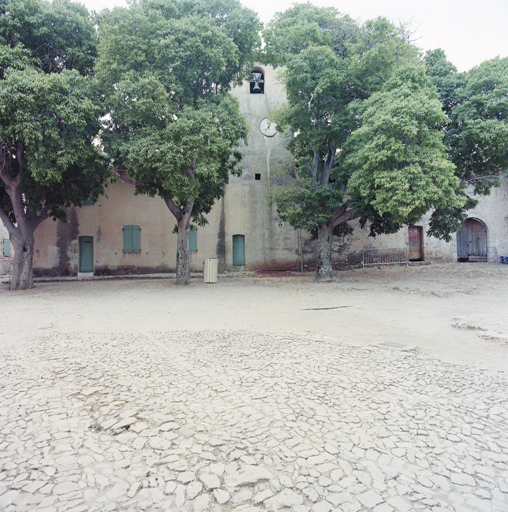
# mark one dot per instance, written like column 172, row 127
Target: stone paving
column 246, row 422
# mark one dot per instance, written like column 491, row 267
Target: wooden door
column 472, row 241
column 86, row 254
column 415, row 243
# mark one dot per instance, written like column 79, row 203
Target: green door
column 7, row 247
column 86, row 254
column 238, row 250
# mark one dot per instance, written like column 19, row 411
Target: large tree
column 49, row 120
column 476, row 133
column 344, row 83
column 167, row 68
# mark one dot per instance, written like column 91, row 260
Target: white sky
column 469, row 31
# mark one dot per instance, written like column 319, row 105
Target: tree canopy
column 366, row 128
column 476, row 131
column 166, row 68
column 49, row 119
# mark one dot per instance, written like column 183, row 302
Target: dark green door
column 238, row 250
column 86, row 254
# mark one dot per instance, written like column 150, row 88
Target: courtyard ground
column 386, row 390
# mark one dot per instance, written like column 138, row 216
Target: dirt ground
column 455, row 312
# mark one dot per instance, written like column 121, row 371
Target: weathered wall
column 246, row 201
column 492, row 211
column 244, row 210
column 56, row 248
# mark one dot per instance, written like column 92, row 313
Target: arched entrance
column 472, row 241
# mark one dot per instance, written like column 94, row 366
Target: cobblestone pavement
column 246, row 422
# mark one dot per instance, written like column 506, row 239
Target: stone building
column 125, row 233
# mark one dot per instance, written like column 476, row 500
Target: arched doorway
column 472, row 241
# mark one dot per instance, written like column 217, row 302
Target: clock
column 267, row 128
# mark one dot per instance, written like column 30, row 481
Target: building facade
column 123, row 233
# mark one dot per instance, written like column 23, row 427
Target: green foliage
column 369, row 135
column 378, row 52
column 476, row 134
column 166, row 68
column 48, row 109
column 397, row 158
column 476, row 103
column 303, row 26
column 58, row 35
column 364, row 124
column 445, row 221
column 317, row 86
column 305, row 206
column 198, row 142
column 478, row 131
column 445, row 77
column 53, row 118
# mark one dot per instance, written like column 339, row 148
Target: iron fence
column 385, row 257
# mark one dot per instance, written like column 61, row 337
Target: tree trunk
column 182, row 250
column 324, row 270
column 22, row 265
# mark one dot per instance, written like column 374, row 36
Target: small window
column 7, row 247
column 257, row 177
column 131, row 239
column 257, row 84
column 193, row 239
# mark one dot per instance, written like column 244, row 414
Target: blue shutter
column 131, row 239
column 136, row 238
column 7, row 247
column 193, row 239
column 127, row 239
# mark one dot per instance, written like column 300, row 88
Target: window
column 193, row 239
column 131, row 239
column 257, row 84
column 257, row 177
column 7, row 247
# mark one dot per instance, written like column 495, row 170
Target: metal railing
column 385, row 257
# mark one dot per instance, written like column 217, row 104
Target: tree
column 476, row 106
column 167, row 68
column 399, row 165
column 48, row 120
column 343, row 81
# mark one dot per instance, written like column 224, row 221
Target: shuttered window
column 7, row 247
column 131, row 239
column 193, row 239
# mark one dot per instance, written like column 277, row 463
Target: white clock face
column 267, row 129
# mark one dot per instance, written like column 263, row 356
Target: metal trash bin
column 210, row 266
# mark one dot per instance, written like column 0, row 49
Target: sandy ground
column 454, row 312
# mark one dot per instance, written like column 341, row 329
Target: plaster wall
column 57, row 246
column 492, row 211
column 244, row 210
column 246, row 199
